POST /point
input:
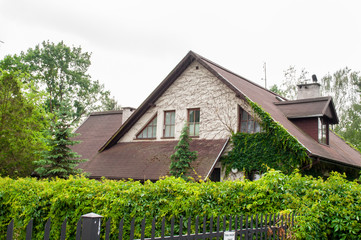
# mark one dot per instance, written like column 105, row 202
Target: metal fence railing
column 264, row 226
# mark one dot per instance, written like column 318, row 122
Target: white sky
column 135, row 44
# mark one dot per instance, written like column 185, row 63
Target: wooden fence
column 228, row 228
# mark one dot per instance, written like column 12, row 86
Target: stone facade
column 196, row 87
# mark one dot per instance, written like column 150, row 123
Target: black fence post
column 91, row 226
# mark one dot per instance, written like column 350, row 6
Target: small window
column 150, row 130
column 169, row 124
column 322, row 131
column 193, row 121
column 247, row 124
column 216, row 175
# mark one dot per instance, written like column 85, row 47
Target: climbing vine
column 273, row 148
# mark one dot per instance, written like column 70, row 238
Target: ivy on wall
column 273, row 148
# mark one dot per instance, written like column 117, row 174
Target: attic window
column 323, row 131
column 150, row 130
column 193, row 121
column 169, row 124
column 247, row 124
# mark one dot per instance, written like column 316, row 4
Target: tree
column 111, row 104
column 288, row 87
column 274, row 88
column 22, row 123
column 342, row 86
column 60, row 160
column 62, row 72
column 182, row 158
column 352, row 129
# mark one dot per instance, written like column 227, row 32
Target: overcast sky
column 135, row 44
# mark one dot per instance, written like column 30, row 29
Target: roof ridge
column 106, row 112
column 235, row 74
column 304, row 100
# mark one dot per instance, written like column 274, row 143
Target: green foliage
column 352, row 128
column 22, row 123
column 182, row 158
column 62, row 71
column 274, row 88
column 274, row 148
column 330, row 209
column 59, row 160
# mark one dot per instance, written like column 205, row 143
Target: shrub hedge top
column 331, row 209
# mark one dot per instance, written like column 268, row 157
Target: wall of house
column 308, row 125
column 196, row 87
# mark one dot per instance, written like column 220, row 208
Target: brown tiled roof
column 151, row 159
column 95, row 131
column 338, row 151
column 311, row 107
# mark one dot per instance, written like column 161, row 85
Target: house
column 138, row 143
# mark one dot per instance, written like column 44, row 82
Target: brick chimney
column 309, row 90
column 127, row 111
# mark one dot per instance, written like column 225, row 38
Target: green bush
column 329, row 209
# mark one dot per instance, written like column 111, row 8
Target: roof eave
column 216, row 160
column 334, row 161
column 150, row 100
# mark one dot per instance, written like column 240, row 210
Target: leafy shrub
column 329, row 209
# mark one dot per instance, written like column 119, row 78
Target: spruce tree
column 182, row 158
column 59, row 160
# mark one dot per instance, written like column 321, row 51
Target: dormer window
column 247, row 124
column 323, row 131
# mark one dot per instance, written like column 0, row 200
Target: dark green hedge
column 331, row 209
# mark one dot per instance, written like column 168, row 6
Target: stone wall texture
column 195, row 88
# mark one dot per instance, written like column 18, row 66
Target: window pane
column 191, row 130
column 250, row 126
column 197, row 113
column 172, row 119
column 191, row 116
column 167, row 117
column 243, row 127
column 169, row 124
column 196, row 130
column 244, row 115
column 319, row 130
column 257, row 127
column 171, row 131
column 166, row 131
column 247, row 124
column 150, row 131
column 154, row 131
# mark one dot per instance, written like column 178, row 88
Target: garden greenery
column 183, row 156
column 273, row 148
column 330, row 209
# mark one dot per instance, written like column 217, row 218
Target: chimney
column 309, row 90
column 127, row 112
